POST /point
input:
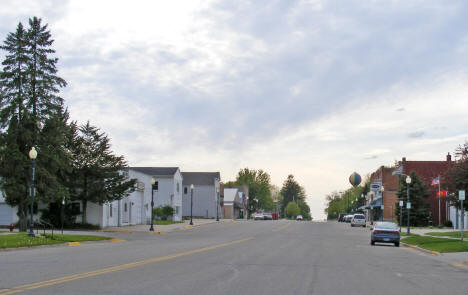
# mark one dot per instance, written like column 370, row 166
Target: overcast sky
column 317, row 89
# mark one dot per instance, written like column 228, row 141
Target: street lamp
column 152, row 181
column 408, row 204
column 217, row 203
column 32, row 156
column 191, row 204
column 382, row 207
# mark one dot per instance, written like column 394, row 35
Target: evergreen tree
column 457, row 176
column 291, row 192
column 32, row 114
column 420, row 210
column 98, row 175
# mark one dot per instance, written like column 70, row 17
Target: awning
column 376, row 203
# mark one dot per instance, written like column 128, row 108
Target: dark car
column 341, row 217
column 385, row 232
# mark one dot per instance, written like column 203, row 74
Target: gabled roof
column 163, row 171
column 200, row 178
column 230, row 194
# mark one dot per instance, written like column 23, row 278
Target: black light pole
column 408, row 182
column 217, row 204
column 191, row 204
column 401, row 213
column 61, row 212
column 153, row 181
column 383, row 206
column 32, row 156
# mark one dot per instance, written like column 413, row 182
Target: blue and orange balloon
column 355, row 179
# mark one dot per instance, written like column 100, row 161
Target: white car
column 358, row 220
column 299, row 218
column 259, row 216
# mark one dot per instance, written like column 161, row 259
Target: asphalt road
column 262, row 257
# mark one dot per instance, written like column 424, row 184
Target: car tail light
column 377, row 231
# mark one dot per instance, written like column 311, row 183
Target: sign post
column 461, row 197
column 401, row 213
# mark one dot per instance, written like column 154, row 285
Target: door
column 6, row 214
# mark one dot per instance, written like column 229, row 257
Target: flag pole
column 439, row 197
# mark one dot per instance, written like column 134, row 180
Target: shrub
column 292, row 210
column 448, row 223
column 163, row 212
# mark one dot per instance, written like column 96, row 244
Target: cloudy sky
column 317, row 89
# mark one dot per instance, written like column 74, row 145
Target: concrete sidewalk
column 162, row 228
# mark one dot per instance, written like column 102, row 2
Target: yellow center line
column 97, row 272
column 281, row 227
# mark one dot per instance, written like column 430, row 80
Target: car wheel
column 397, row 244
column 372, row 243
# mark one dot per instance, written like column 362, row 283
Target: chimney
column 449, row 157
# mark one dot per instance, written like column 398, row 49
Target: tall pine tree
column 420, row 210
column 98, row 175
column 28, row 107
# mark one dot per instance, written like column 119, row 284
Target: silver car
column 385, row 232
column 358, row 220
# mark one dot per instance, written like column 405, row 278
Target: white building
column 7, row 214
column 205, row 196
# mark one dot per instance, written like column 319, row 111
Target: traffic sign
column 408, row 205
column 461, row 195
column 401, row 203
column 382, row 207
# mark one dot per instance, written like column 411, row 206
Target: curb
column 420, row 249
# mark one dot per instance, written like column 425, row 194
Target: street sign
column 461, row 195
column 408, row 205
column 381, row 207
column 401, row 203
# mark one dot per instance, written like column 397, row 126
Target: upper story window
column 185, row 190
column 178, row 188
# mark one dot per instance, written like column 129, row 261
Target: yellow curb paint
column 434, row 253
column 97, row 272
column 114, row 231
column 71, row 244
column 188, row 226
column 116, row 240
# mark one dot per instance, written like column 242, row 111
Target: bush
column 448, row 223
column 292, row 210
column 163, row 213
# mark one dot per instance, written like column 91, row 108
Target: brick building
column 427, row 171
column 383, row 178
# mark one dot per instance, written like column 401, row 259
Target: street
column 242, row 257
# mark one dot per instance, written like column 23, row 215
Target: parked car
column 358, row 220
column 341, row 217
column 385, row 232
column 267, row 216
column 299, row 218
column 259, row 216
column 348, row 218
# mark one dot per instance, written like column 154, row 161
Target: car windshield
column 359, row 217
column 386, row 225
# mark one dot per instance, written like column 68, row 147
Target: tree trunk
column 85, row 205
column 23, row 217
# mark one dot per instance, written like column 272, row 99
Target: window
column 185, row 190
column 125, row 207
column 110, row 210
column 178, row 187
column 156, row 186
column 177, row 210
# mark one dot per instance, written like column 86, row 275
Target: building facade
column 205, row 195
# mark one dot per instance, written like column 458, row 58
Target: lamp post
column 382, row 206
column 32, row 156
column 191, row 204
column 408, row 204
column 217, row 203
column 152, row 181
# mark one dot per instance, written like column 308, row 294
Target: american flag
column 435, row 181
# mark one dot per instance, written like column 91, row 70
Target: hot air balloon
column 355, row 179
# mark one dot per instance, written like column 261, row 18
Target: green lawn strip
column 452, row 234
column 436, row 244
column 166, row 222
column 23, row 240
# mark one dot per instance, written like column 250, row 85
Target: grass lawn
column 23, row 240
column 451, row 234
column 436, row 244
column 166, row 222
